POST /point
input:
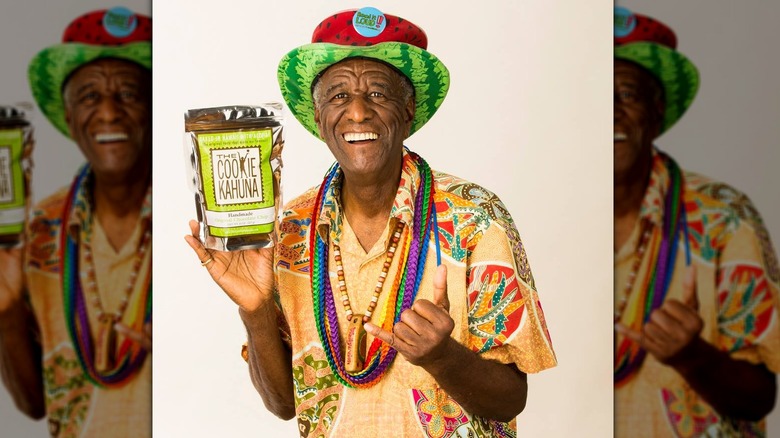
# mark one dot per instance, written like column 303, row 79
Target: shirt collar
column 329, row 223
column 80, row 217
column 653, row 203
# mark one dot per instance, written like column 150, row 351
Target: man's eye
column 627, row 96
column 128, row 96
column 339, row 96
column 376, row 94
column 89, row 97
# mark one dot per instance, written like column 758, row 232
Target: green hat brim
column 51, row 66
column 300, row 67
column 676, row 73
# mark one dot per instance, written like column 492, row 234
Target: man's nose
column 109, row 109
column 359, row 109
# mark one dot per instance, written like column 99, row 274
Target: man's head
column 117, row 34
column 652, row 45
column 364, row 34
column 364, row 111
column 638, row 114
column 108, row 110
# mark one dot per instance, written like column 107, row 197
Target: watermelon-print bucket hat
column 107, row 33
column 653, row 46
column 364, row 33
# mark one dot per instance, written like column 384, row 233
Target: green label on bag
column 237, row 182
column 12, row 200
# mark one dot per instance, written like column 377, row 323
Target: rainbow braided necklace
column 628, row 355
column 380, row 355
column 130, row 355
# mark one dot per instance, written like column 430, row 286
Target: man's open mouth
column 109, row 137
column 352, row 137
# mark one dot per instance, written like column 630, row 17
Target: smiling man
column 697, row 340
column 352, row 328
column 75, row 301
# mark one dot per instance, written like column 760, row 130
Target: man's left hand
column 672, row 327
column 423, row 333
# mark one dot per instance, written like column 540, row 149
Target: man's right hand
column 246, row 276
column 11, row 278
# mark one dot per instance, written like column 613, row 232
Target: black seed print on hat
column 347, row 38
column 400, row 20
column 319, row 40
column 100, row 22
column 327, row 25
column 78, row 25
column 349, row 22
column 354, row 44
column 396, row 28
column 338, row 36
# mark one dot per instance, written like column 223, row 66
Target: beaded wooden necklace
column 356, row 335
column 101, row 365
column 401, row 295
column 663, row 252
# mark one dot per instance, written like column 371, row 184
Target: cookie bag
column 16, row 147
column 234, row 169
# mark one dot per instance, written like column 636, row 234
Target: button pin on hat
column 369, row 21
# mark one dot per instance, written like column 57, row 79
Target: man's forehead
column 107, row 67
column 629, row 72
column 358, row 67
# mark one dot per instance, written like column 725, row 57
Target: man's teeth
column 619, row 136
column 360, row 136
column 110, row 136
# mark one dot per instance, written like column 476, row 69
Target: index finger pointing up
column 440, row 297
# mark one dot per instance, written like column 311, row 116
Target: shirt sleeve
column 748, row 298
column 505, row 318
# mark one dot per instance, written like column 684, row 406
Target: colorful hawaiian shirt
column 737, row 288
column 75, row 407
column 492, row 297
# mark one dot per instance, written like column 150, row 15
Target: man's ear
column 67, row 121
column 317, row 120
column 660, row 107
column 411, row 106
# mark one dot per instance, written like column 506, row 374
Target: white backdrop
column 527, row 116
column 731, row 131
column 25, row 29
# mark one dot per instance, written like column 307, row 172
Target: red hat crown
column 645, row 29
column 339, row 28
column 109, row 27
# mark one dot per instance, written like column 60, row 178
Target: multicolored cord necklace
column 663, row 252
column 401, row 295
column 356, row 335
column 103, row 364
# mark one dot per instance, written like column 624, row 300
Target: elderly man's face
column 363, row 114
column 108, row 110
column 638, row 115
